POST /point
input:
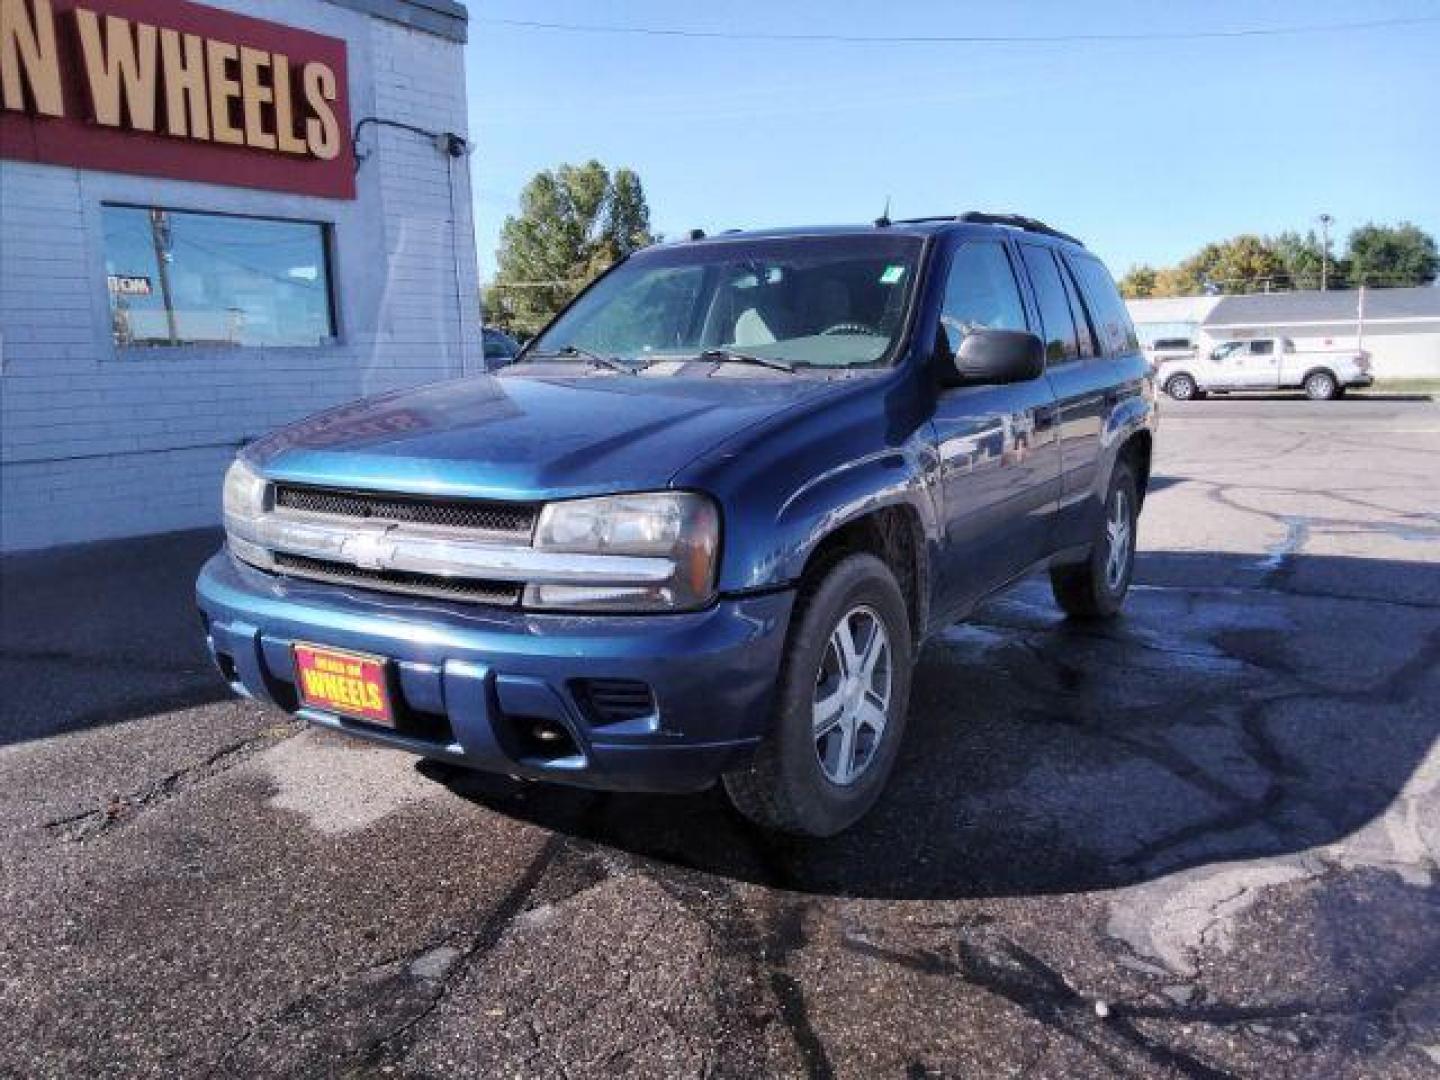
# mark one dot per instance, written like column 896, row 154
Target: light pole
column 1325, row 222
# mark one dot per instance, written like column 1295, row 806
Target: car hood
column 526, row 438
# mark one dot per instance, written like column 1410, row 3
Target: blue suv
column 701, row 527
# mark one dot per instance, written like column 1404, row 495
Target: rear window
column 1061, row 343
column 1112, row 318
column 1084, row 333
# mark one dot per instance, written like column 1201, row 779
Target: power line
column 953, row 39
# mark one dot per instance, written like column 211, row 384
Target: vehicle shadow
column 1222, row 718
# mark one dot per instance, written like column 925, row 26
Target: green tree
column 1138, row 283
column 1391, row 255
column 574, row 221
column 1177, row 281
column 1303, row 259
column 1245, row 263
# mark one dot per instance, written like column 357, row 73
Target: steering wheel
column 851, row 328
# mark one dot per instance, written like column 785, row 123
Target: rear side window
column 1112, row 318
column 1084, row 333
column 980, row 293
column 1060, row 341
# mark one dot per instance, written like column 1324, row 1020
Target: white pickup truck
column 1263, row 364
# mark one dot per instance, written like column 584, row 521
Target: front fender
column 784, row 486
column 828, row 502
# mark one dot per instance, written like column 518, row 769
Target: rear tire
column 846, row 672
column 1320, row 386
column 1096, row 588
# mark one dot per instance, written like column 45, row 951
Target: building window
column 182, row 278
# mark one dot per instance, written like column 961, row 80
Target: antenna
column 883, row 221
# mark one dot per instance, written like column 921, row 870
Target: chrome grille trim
column 493, row 593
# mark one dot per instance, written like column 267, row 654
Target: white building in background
column 1399, row 328
column 1170, row 317
column 269, row 216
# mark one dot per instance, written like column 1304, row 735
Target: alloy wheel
column 1119, row 536
column 852, row 696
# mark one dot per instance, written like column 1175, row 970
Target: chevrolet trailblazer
column 699, row 529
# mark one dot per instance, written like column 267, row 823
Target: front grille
column 511, row 519
column 613, row 701
column 494, row 593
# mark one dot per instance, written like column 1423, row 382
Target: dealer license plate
column 347, row 683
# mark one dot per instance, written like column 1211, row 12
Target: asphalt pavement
column 1200, row 841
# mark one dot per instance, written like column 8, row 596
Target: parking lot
column 1200, row 842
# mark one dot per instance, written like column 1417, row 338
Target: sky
column 1144, row 149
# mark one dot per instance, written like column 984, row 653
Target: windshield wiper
column 594, row 359
column 730, row 356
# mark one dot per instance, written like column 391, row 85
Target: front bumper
column 469, row 682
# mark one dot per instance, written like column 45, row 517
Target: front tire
column 1182, row 387
column 844, row 693
column 1096, row 588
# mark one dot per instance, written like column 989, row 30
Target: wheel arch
column 894, row 534
column 1320, row 369
column 1137, row 450
column 1182, row 373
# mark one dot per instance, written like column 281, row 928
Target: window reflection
column 183, row 278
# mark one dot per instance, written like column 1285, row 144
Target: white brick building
column 150, row 324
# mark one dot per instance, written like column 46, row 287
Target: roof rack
column 1014, row 221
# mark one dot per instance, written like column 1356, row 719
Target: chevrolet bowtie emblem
column 370, row 550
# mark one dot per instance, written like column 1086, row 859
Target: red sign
column 170, row 88
column 343, row 683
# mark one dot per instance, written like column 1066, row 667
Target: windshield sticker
column 892, row 275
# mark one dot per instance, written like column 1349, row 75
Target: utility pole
column 1325, row 221
column 1360, row 319
column 163, row 241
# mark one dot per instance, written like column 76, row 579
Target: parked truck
column 701, row 527
column 1267, row 363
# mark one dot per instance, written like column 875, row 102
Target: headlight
column 678, row 526
column 244, row 491
column 244, row 500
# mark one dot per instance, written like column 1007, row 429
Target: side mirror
column 995, row 357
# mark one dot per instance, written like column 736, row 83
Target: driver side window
column 980, row 293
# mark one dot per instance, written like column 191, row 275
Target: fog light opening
column 544, row 740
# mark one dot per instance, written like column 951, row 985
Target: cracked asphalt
column 1199, row 842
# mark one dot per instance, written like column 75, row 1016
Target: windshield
column 832, row 302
